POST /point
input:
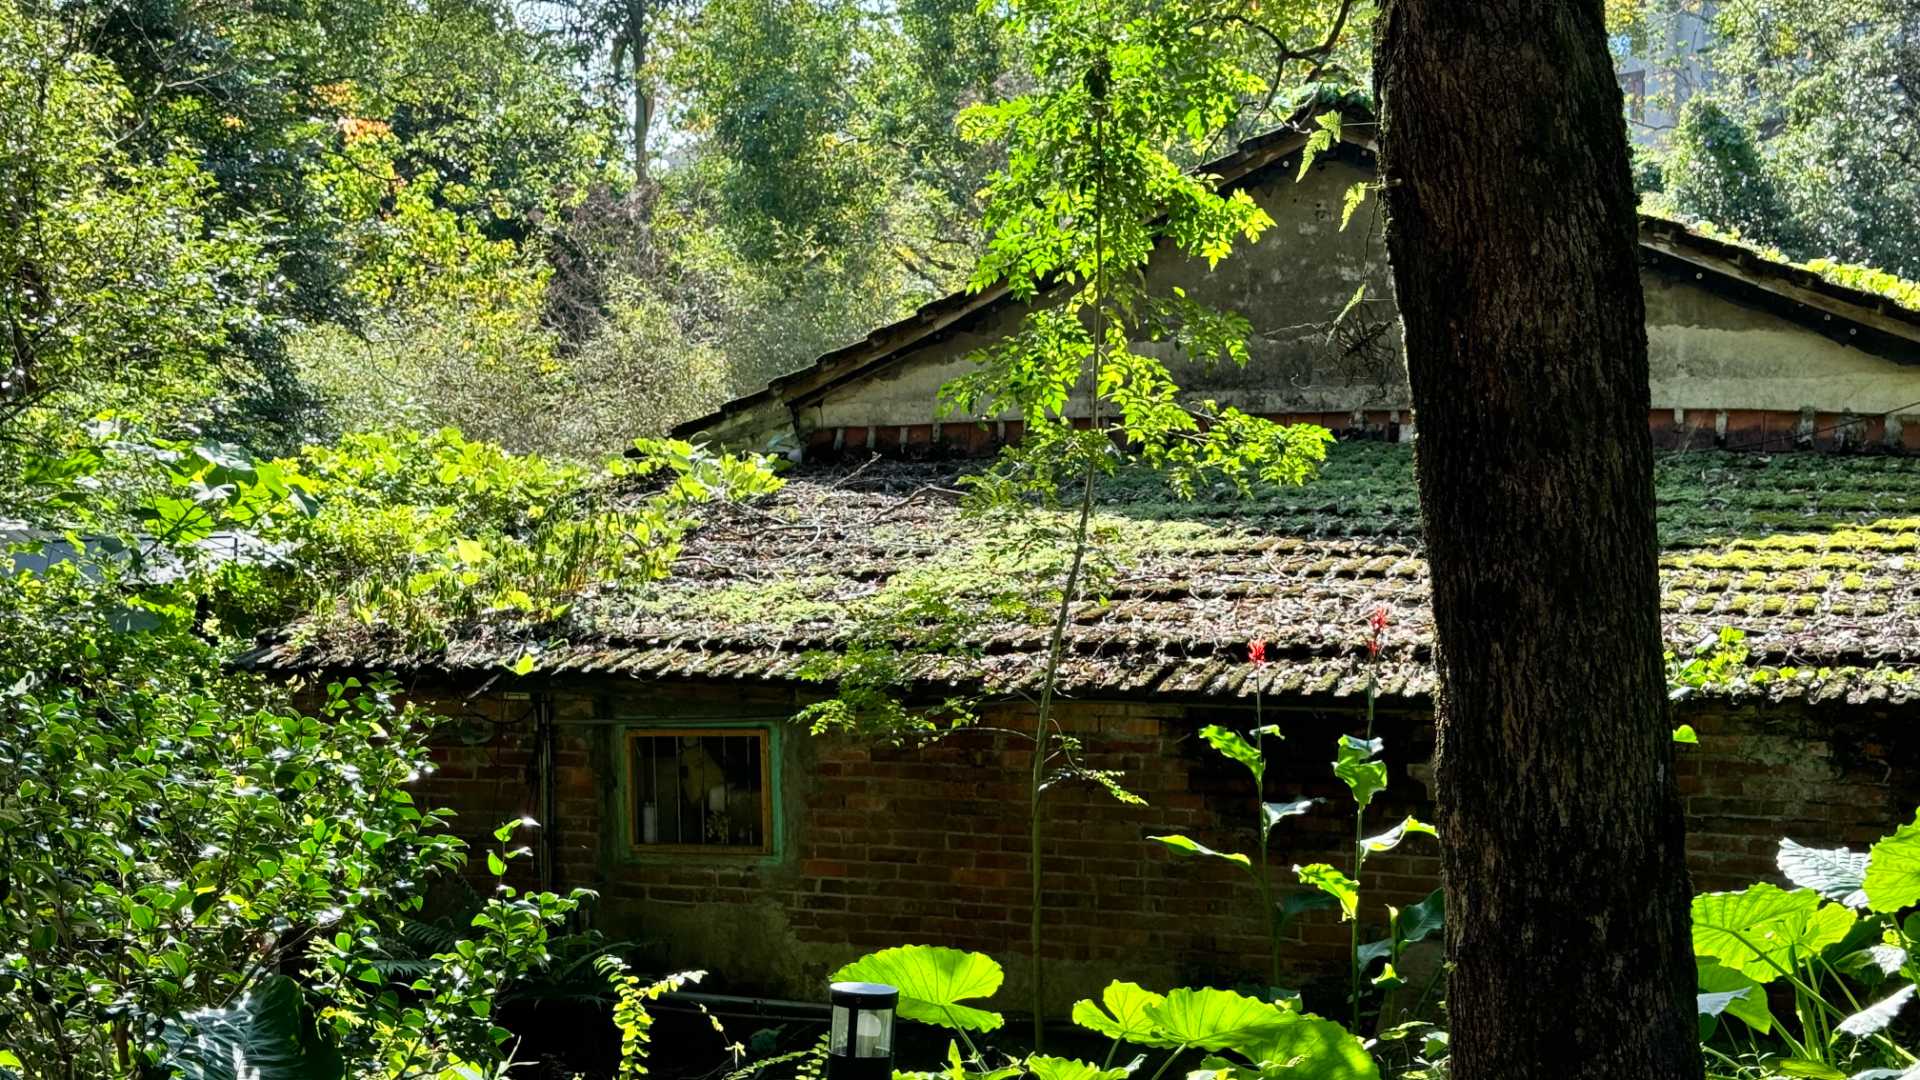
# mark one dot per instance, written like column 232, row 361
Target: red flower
column 1377, row 625
column 1257, row 651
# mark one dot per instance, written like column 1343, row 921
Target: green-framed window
column 700, row 788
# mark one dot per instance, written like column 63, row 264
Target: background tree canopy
column 1807, row 138
column 562, row 225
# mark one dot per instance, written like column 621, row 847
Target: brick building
column 655, row 740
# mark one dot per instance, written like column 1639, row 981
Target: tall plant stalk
column 1360, row 850
column 1069, row 593
column 1257, row 655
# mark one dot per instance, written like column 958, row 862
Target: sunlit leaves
column 1189, row 846
column 1126, row 1015
column 1231, row 744
column 1215, row 1019
column 1742, row 997
column 1390, row 839
column 1275, row 812
column 1760, row 930
column 933, row 981
column 417, row 534
column 1892, row 879
column 1877, row 1017
column 1356, row 764
column 1835, row 873
column 1329, row 880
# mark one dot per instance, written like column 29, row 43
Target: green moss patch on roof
column 1815, row 557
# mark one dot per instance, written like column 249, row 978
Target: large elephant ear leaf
column 932, row 981
column 1758, row 930
column 1044, row 1067
column 1835, row 873
column 1892, row 879
column 1741, row 996
column 1216, row 1019
column 1310, row 1048
column 1125, row 1016
column 265, row 1034
column 1876, row 1017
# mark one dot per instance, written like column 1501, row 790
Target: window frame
column 767, row 733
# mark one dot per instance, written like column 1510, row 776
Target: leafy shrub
column 1834, row 946
column 175, row 837
column 416, row 534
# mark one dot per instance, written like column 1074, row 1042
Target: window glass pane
column 699, row 788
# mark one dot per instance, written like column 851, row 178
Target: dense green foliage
column 1803, row 139
column 174, row 837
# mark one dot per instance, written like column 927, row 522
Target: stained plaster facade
column 1730, row 363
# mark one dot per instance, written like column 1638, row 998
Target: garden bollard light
column 861, row 1046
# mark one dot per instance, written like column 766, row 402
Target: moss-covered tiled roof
column 1815, row 557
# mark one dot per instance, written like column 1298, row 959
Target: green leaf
column 1334, row 883
column 1295, row 904
column 1276, row 811
column 1356, row 194
column 1813, row 1070
column 1189, row 846
column 1685, row 734
column 263, row 1035
column 1216, row 1019
column 1761, row 929
column 1716, row 1003
column 1422, row 920
column 1750, row 1007
column 1125, row 1016
column 1390, row 839
column 1892, row 880
column 1876, row 1017
column 1307, row 1047
column 932, row 981
column 1414, row 923
column 496, row 865
column 1356, row 768
column 1232, row 745
column 524, row 665
column 1835, row 873
column 1044, row 1067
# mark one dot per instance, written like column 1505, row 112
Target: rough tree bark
column 1511, row 229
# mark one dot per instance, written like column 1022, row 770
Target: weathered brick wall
column 887, row 846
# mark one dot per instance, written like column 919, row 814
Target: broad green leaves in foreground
column 1835, row 873
column 1126, row 1015
column 1264, row 1034
column 1215, row 1019
column 1892, row 879
column 932, row 981
column 1760, row 930
column 1834, row 946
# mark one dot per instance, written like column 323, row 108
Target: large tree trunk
column 1511, row 228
